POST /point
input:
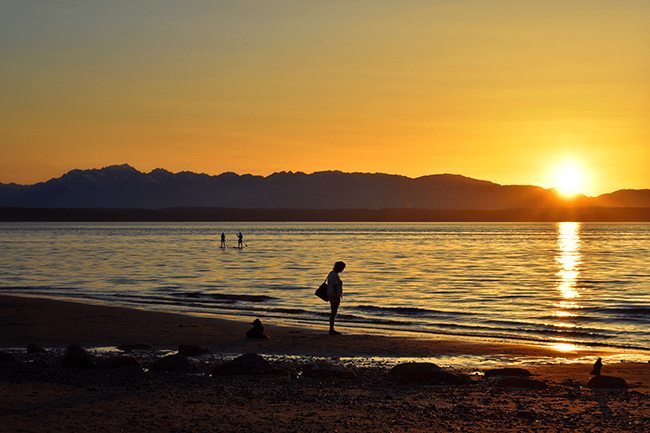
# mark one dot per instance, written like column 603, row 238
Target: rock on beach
column 520, row 382
column 508, row 372
column 248, row 363
column 427, row 372
column 607, row 382
column 76, row 356
column 33, row 348
column 192, row 350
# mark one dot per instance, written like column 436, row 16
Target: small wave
column 242, row 298
column 290, row 288
column 409, row 311
column 122, row 281
column 163, row 288
column 144, row 299
column 622, row 314
column 291, row 311
column 633, row 311
column 562, row 332
column 402, row 310
column 224, row 297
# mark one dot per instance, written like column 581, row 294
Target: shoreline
column 532, row 347
column 58, row 323
column 41, row 394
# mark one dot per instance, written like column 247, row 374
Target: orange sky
column 507, row 91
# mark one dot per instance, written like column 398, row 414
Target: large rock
column 427, row 372
column 248, row 363
column 76, row 356
column 33, row 348
column 607, row 382
column 191, row 350
column 326, row 369
column 175, row 362
column 508, row 372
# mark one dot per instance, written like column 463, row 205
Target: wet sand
column 39, row 395
column 51, row 323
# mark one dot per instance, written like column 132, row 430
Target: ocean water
column 564, row 284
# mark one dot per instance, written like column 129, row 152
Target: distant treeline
column 584, row 214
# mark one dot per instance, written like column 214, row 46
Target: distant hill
column 622, row 198
column 123, row 187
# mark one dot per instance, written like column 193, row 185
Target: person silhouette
column 240, row 240
column 335, row 293
column 223, row 240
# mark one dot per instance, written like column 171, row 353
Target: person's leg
column 334, row 303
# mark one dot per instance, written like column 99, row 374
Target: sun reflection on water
column 568, row 259
column 564, row 347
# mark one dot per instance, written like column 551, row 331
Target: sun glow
column 564, row 347
column 568, row 182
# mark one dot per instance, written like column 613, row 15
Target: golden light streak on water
column 568, row 259
column 564, row 347
column 563, row 313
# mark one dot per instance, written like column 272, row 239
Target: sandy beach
column 39, row 394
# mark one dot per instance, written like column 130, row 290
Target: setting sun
column 568, row 182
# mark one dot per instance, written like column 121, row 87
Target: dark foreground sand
column 38, row 394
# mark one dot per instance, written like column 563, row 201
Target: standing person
column 335, row 293
column 240, row 240
column 223, row 240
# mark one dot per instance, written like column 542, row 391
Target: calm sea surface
column 565, row 283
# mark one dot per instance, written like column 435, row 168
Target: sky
column 512, row 92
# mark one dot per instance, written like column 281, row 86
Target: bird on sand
column 597, row 366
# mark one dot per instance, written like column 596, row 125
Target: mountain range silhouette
column 124, row 187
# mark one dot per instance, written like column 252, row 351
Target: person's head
column 339, row 266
